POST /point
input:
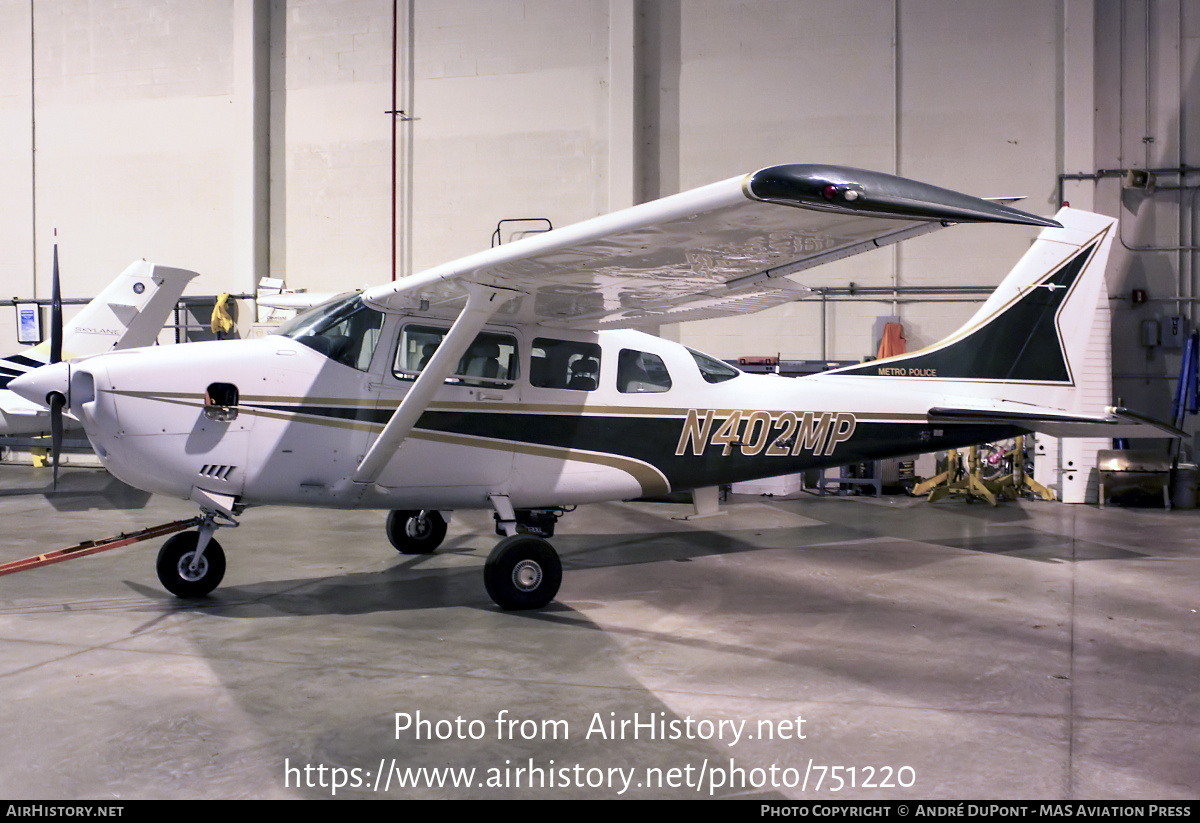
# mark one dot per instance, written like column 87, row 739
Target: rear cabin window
column 640, row 372
column 564, row 364
column 491, row 359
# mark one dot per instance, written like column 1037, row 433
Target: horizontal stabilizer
column 1120, row 422
column 124, row 312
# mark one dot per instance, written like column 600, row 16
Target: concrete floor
column 1035, row 650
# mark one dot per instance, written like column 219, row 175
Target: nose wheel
column 416, row 532
column 522, row 572
column 183, row 573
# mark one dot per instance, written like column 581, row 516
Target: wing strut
column 482, row 303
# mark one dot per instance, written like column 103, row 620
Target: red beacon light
column 832, row 192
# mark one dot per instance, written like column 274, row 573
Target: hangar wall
column 928, row 90
column 1148, row 117
column 138, row 128
column 242, row 138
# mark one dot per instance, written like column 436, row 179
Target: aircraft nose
column 35, row 386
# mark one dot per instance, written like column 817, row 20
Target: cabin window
column 564, row 364
column 712, row 369
column 344, row 330
column 491, row 360
column 640, row 372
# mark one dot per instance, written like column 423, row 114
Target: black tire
column 522, row 572
column 176, row 555
column 411, row 533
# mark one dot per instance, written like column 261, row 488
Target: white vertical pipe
column 622, row 104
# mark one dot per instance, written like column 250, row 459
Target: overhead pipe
column 33, row 151
column 394, row 113
column 402, row 116
column 896, row 137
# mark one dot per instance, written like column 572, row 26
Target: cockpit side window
column 640, row 372
column 491, row 359
column 564, row 364
column 344, row 330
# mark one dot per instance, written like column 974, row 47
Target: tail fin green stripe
column 1022, row 342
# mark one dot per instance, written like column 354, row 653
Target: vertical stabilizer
column 1032, row 341
column 129, row 312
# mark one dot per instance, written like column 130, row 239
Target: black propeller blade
column 57, row 401
column 56, row 320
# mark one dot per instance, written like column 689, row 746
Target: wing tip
column 859, row 191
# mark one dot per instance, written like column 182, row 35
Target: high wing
column 715, row 251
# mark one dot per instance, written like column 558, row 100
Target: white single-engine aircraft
column 130, row 312
column 515, row 379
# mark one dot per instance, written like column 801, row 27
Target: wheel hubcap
column 417, row 528
column 186, row 571
column 527, row 575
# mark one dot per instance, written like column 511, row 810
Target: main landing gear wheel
column 522, row 572
column 175, row 561
column 418, row 532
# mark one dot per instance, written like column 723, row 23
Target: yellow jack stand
column 1021, row 482
column 971, row 485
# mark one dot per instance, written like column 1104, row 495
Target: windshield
column 343, row 330
column 712, row 369
column 307, row 319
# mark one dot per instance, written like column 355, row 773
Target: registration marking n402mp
column 780, row 434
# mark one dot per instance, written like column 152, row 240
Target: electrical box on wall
column 1150, row 332
column 1174, row 331
column 29, row 323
